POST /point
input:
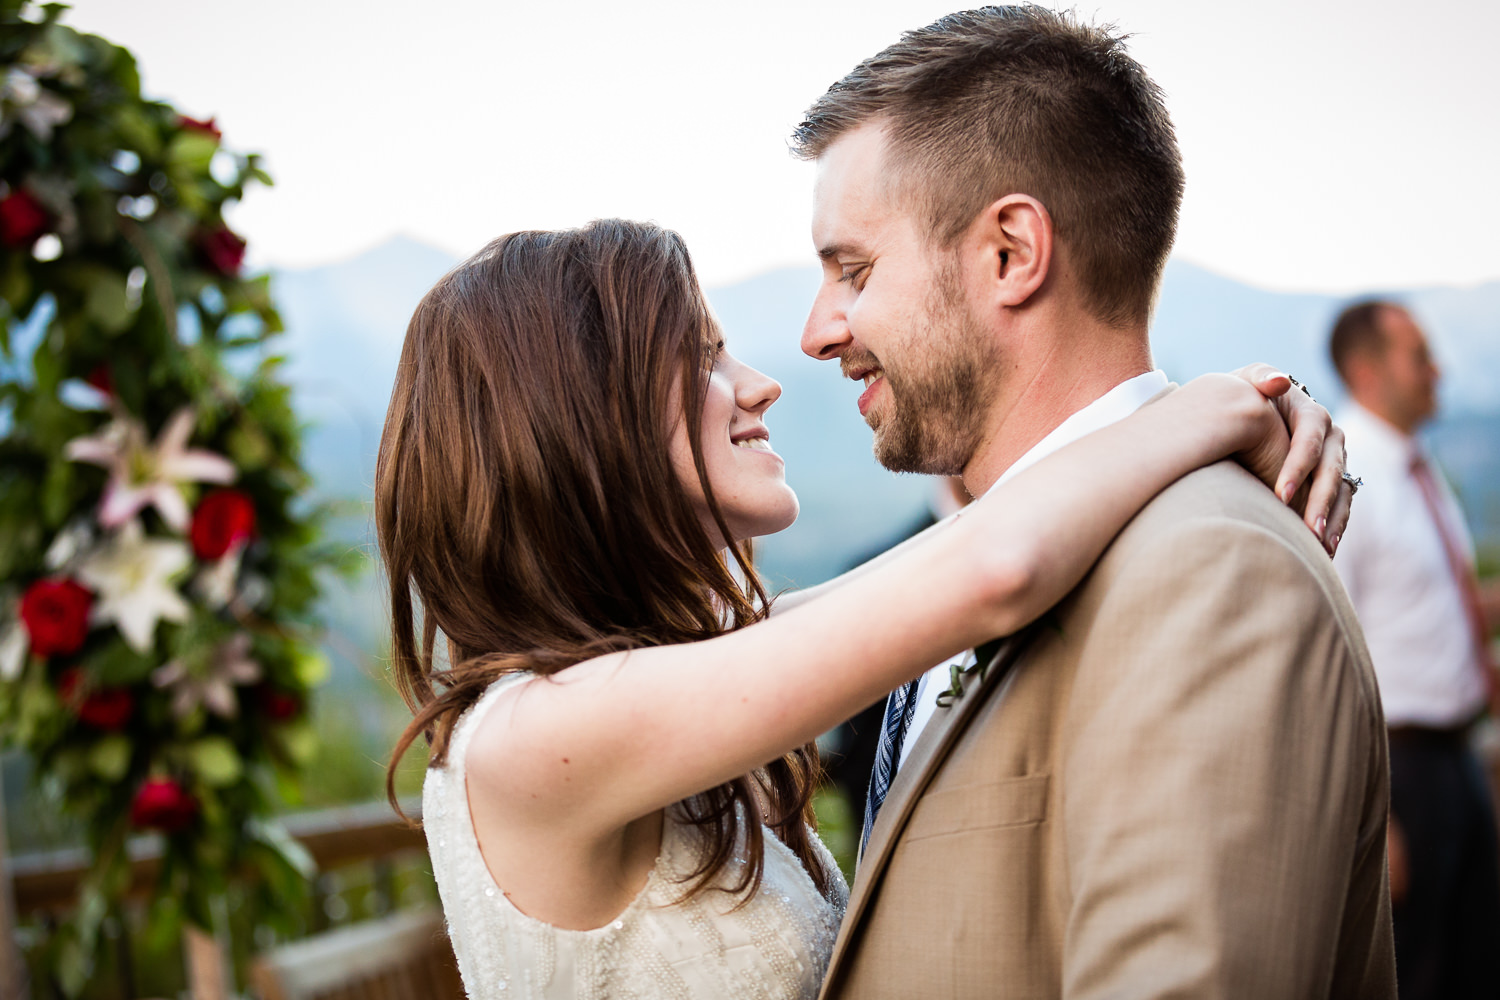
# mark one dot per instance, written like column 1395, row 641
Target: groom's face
column 892, row 310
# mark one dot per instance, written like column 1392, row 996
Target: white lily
column 132, row 578
column 142, row 475
column 228, row 666
column 68, row 545
column 14, row 643
column 38, row 109
column 215, row 582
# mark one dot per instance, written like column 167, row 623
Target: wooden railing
column 46, row 883
column 48, row 880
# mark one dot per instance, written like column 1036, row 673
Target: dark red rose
column 223, row 519
column 22, row 219
column 163, row 804
column 101, row 707
column 208, row 127
column 278, row 705
column 101, row 378
column 56, row 613
column 221, row 250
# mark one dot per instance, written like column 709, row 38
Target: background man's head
column 1383, row 358
column 1003, row 100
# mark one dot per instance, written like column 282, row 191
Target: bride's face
column 748, row 478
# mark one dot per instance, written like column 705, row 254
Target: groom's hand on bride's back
column 1301, row 455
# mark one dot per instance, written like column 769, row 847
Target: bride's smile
column 748, row 477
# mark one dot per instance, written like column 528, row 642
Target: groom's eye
column 854, row 272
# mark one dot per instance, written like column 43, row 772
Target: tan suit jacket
column 1178, row 789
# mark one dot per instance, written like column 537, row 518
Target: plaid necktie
column 900, row 706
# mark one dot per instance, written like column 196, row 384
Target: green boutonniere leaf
column 956, row 674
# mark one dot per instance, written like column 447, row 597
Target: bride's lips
column 754, row 439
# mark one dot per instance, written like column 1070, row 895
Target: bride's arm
column 1317, row 449
column 615, row 738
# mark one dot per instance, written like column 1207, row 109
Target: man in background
column 1408, row 563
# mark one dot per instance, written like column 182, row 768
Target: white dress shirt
column 1396, row 570
column 1112, row 407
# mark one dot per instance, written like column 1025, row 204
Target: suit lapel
column 927, row 755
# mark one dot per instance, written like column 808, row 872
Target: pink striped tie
column 1463, row 573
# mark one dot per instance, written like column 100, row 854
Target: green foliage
column 117, row 271
column 837, row 828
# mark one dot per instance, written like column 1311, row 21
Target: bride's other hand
column 1303, row 460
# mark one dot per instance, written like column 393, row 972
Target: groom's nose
column 826, row 334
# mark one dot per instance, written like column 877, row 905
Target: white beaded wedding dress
column 775, row 947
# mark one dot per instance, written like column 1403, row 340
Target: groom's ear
column 1014, row 244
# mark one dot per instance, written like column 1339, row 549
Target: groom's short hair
column 1003, row 100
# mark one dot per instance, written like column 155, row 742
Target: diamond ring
column 1304, row 388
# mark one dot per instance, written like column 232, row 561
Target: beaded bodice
column 775, row 947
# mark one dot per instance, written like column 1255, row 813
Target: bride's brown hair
column 525, row 498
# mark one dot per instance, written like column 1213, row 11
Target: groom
column 1175, row 785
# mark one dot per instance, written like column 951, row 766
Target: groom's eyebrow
column 833, row 250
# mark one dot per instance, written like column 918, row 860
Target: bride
column 621, row 735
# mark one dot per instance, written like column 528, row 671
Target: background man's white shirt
column 1393, row 564
column 1112, row 407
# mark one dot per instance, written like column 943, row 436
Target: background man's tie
column 1463, row 572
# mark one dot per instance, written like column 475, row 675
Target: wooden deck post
column 207, row 976
column 14, row 981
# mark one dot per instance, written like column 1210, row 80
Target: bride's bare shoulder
column 490, row 737
column 518, row 750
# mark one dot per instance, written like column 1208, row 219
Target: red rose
column 103, row 708
column 223, row 519
column 163, row 804
column 22, row 219
column 101, row 378
column 221, row 250
column 56, row 613
column 208, row 127
column 277, row 705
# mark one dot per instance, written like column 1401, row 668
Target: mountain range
column 346, row 321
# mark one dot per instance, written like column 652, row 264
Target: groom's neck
column 1070, row 374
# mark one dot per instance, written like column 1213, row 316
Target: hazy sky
column 1330, row 146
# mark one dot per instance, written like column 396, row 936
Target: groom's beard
column 937, row 414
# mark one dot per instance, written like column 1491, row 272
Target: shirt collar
column 1375, row 439
column 1115, row 405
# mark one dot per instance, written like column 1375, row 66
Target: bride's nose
column 755, row 390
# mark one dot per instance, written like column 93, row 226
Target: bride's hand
column 1301, row 456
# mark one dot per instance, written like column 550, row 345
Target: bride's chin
column 788, row 515
column 771, row 519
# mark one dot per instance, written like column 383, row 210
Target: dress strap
column 463, row 731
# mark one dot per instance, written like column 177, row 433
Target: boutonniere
column 956, row 673
column 979, row 661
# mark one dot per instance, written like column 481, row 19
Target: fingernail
column 1333, row 546
column 1278, row 375
column 1320, row 525
column 1287, row 491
